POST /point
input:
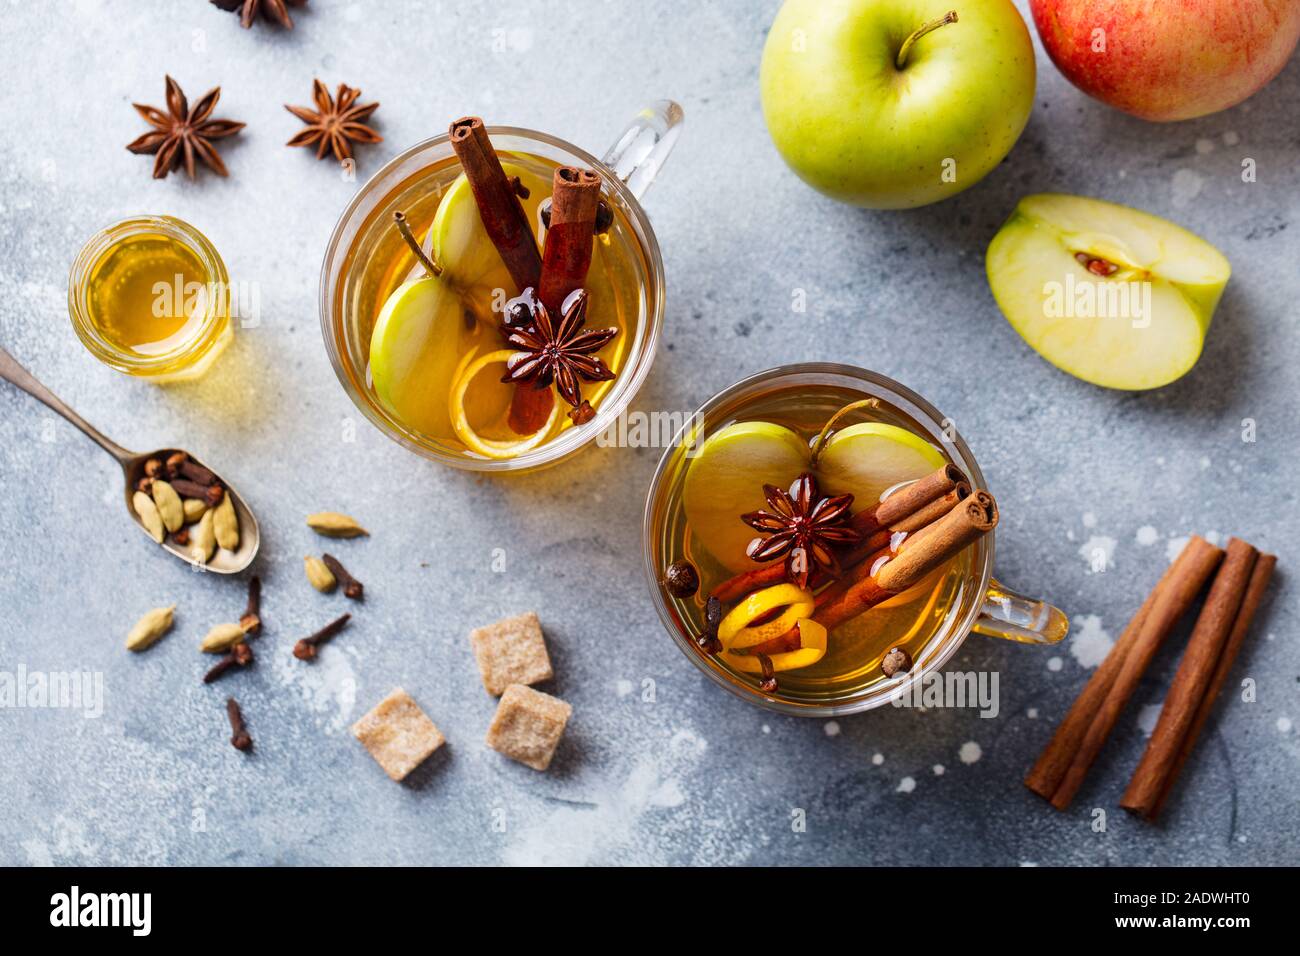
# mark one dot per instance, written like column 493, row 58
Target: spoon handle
column 13, row 372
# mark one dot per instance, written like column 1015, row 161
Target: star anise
column 271, row 9
column 558, row 353
column 803, row 527
column 336, row 123
column 183, row 133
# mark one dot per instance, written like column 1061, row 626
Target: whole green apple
column 896, row 103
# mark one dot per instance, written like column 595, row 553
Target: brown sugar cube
column 512, row 651
column 398, row 734
column 528, row 726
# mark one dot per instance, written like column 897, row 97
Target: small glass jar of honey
column 150, row 296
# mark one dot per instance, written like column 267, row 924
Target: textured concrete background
column 693, row 776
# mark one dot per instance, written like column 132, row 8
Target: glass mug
column 977, row 603
column 347, row 308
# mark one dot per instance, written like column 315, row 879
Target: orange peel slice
column 470, row 366
column 735, row 631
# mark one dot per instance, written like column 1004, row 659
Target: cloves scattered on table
column 352, row 588
column 241, row 655
column 251, row 619
column 306, row 649
column 239, row 736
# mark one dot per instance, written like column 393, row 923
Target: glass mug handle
column 1015, row 617
column 644, row 144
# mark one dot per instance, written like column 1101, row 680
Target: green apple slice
column 726, row 478
column 867, row 459
column 412, row 358
column 460, row 243
column 1113, row 295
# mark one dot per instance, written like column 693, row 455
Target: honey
column 149, row 296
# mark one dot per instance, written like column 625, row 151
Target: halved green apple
column 411, row 365
column 726, row 478
column 1113, row 295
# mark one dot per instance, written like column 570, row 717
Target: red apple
column 1168, row 59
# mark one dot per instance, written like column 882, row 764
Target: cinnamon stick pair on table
column 1240, row 582
column 560, row 268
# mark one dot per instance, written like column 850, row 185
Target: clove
column 241, row 655
column 239, row 737
column 767, row 684
column 197, row 473
column 708, row 640
column 352, row 588
column 305, row 649
column 251, row 619
column 186, row 488
column 172, row 466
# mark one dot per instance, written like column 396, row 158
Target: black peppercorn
column 681, row 579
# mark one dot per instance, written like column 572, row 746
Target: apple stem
column 824, row 436
column 404, row 228
column 949, row 17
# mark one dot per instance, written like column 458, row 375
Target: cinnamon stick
column 566, row 257
column 907, row 500
column 1259, row 580
column 498, row 204
column 907, row 510
column 566, row 254
column 965, row 524
column 1194, row 567
column 1047, row 773
column 1192, row 680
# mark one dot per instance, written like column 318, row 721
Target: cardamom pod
column 335, row 525
column 222, row 638
column 319, row 575
column 193, row 509
column 169, row 505
column 203, row 542
column 226, row 524
column 149, row 628
column 148, row 513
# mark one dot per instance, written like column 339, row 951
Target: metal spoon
column 223, row 562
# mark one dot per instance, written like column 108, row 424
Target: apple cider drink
column 819, row 542
column 502, row 304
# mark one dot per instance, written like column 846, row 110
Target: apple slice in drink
column 411, row 364
column 1113, row 295
column 867, row 459
column 462, row 246
column 726, row 479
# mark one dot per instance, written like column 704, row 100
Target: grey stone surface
column 694, row 776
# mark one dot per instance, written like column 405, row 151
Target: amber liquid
column 616, row 298
column 854, row 650
column 147, row 294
